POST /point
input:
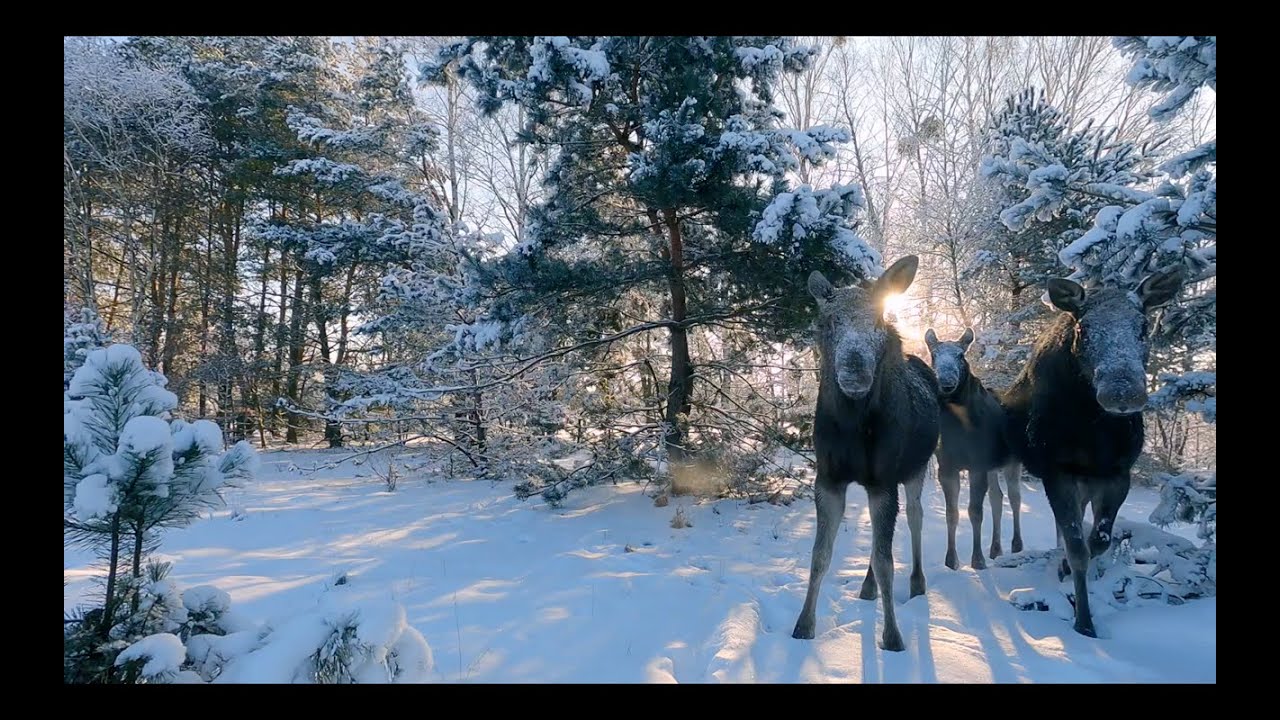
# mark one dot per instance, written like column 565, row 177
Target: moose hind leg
column 1013, row 485
column 830, row 504
column 977, row 493
column 950, row 482
column 997, row 512
column 915, row 521
column 884, row 513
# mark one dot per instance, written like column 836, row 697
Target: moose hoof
column 1016, row 545
column 892, row 642
column 996, row 551
column 868, row 592
column 803, row 631
column 1086, row 630
column 1063, row 571
column 917, row 586
column 1098, row 546
column 978, row 563
column 952, row 561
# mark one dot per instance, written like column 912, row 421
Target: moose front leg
column 1067, row 514
column 884, row 513
column 1108, row 496
column 830, row 503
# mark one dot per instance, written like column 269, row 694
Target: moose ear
column 1066, row 295
column 930, row 338
column 1160, row 288
column 820, row 287
column 898, row 277
column 966, row 338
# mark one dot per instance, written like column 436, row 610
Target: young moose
column 876, row 424
column 973, row 439
column 1075, row 412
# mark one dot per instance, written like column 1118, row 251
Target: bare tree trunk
column 227, row 341
column 332, row 428
column 295, row 356
column 680, row 386
column 137, row 563
column 282, row 340
column 477, row 415
column 170, row 350
column 113, row 566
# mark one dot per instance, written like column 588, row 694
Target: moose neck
column 1072, row 381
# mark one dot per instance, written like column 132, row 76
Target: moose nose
column 853, row 383
column 1120, row 394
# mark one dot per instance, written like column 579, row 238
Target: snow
column 590, row 65
column 385, row 648
column 604, row 590
column 204, row 435
column 98, row 361
column 163, row 652
column 206, row 598
column 94, row 498
column 751, row 57
column 147, row 437
column 208, row 653
column 1144, row 217
column 142, row 435
column 480, row 335
column 797, row 215
column 1050, row 174
column 144, row 387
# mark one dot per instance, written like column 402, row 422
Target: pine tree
column 82, row 333
column 1177, row 224
column 129, row 471
column 1030, row 146
column 1134, row 231
column 667, row 205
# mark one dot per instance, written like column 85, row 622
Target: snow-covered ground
column 605, row 590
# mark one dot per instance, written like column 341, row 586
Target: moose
column 973, row 427
column 1074, row 412
column 876, row 424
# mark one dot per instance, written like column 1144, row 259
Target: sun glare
column 897, row 307
column 895, row 303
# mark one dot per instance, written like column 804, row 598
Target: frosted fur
column 1113, row 339
column 946, row 363
column 876, row 424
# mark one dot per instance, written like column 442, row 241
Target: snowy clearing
column 605, row 590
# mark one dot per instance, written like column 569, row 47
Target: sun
column 895, row 303
column 899, row 307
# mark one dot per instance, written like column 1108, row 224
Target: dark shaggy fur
column 876, row 425
column 972, row 438
column 1075, row 413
